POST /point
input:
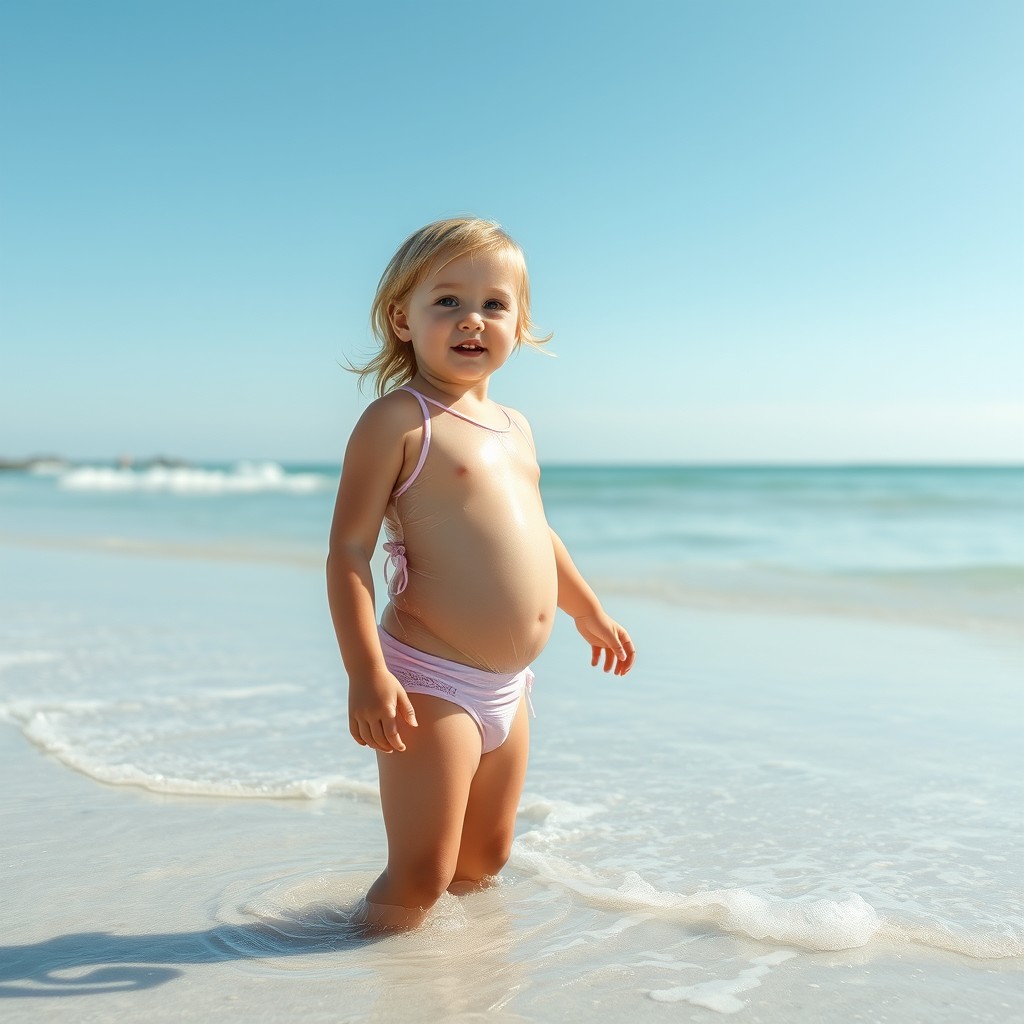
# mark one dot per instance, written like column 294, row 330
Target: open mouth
column 469, row 346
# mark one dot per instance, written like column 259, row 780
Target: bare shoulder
column 374, row 460
column 379, row 439
column 389, row 419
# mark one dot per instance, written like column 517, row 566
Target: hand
column 605, row 634
column 375, row 705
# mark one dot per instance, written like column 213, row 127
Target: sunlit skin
column 470, row 301
column 490, row 573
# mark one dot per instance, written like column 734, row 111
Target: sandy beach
column 804, row 804
column 123, row 904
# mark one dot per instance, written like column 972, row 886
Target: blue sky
column 772, row 231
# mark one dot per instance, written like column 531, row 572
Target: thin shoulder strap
column 462, row 415
column 426, row 443
column 529, row 440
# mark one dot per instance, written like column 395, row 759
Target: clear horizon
column 786, row 234
column 142, row 462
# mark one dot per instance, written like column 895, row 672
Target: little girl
column 440, row 688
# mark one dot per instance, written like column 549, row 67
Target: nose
column 472, row 321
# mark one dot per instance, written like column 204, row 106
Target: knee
column 491, row 855
column 421, row 883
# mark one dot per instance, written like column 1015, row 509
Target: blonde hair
column 439, row 242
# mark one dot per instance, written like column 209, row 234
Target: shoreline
column 785, row 592
column 239, row 908
column 796, row 777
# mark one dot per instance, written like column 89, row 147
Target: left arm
column 599, row 630
column 577, row 599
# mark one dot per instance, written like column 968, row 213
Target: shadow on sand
column 126, row 963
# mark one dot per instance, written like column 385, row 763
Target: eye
column 448, row 301
column 495, row 304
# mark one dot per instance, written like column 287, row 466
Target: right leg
column 423, row 792
column 490, row 822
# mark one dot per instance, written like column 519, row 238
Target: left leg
column 423, row 795
column 489, row 825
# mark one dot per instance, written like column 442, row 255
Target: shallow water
column 785, row 797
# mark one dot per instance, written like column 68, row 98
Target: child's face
column 462, row 318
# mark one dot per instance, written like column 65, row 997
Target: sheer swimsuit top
column 398, row 578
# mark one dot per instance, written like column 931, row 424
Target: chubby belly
column 482, row 584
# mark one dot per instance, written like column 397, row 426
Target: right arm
column 373, row 462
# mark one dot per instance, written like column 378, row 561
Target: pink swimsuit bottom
column 490, row 698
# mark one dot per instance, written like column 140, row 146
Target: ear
column 399, row 322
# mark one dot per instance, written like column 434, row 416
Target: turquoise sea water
column 926, row 541
column 873, row 520
column 818, row 750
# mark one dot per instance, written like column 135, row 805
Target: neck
column 450, row 392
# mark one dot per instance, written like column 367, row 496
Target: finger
column 609, row 659
column 595, row 654
column 406, row 709
column 392, row 735
column 628, row 656
column 366, row 731
column 366, row 735
column 380, row 740
column 621, row 639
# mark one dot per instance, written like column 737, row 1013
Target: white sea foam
column 554, row 813
column 818, row 924
column 1006, row 943
column 812, row 924
column 243, row 478
column 49, row 726
column 720, row 994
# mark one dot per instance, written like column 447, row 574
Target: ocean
column 804, row 803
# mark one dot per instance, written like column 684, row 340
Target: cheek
column 442, row 317
column 426, row 324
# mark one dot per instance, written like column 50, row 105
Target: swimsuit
column 399, row 578
column 490, row 698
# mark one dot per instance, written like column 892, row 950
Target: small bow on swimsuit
column 399, row 580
